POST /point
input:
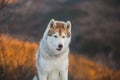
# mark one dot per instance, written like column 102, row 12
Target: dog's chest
column 52, row 64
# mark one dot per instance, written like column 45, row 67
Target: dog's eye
column 55, row 36
column 63, row 36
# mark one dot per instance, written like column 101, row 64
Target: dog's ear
column 52, row 24
column 68, row 25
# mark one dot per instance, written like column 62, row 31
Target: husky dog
column 52, row 56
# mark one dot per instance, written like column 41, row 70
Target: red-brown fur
column 60, row 28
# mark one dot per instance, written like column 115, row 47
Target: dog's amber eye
column 63, row 36
column 55, row 36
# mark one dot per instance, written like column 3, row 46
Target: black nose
column 60, row 46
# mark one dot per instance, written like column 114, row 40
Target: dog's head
column 58, row 35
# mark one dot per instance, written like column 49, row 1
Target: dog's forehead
column 60, row 28
column 60, row 25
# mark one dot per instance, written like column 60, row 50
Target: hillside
column 95, row 23
column 17, row 62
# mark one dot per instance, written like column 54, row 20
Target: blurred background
column 95, row 46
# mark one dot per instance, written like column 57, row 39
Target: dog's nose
column 60, row 46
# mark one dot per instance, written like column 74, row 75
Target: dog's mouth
column 59, row 49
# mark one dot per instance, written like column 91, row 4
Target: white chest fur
column 53, row 68
column 48, row 65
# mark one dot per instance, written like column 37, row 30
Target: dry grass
column 85, row 69
column 17, row 59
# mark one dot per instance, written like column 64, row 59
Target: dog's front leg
column 42, row 76
column 64, row 75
